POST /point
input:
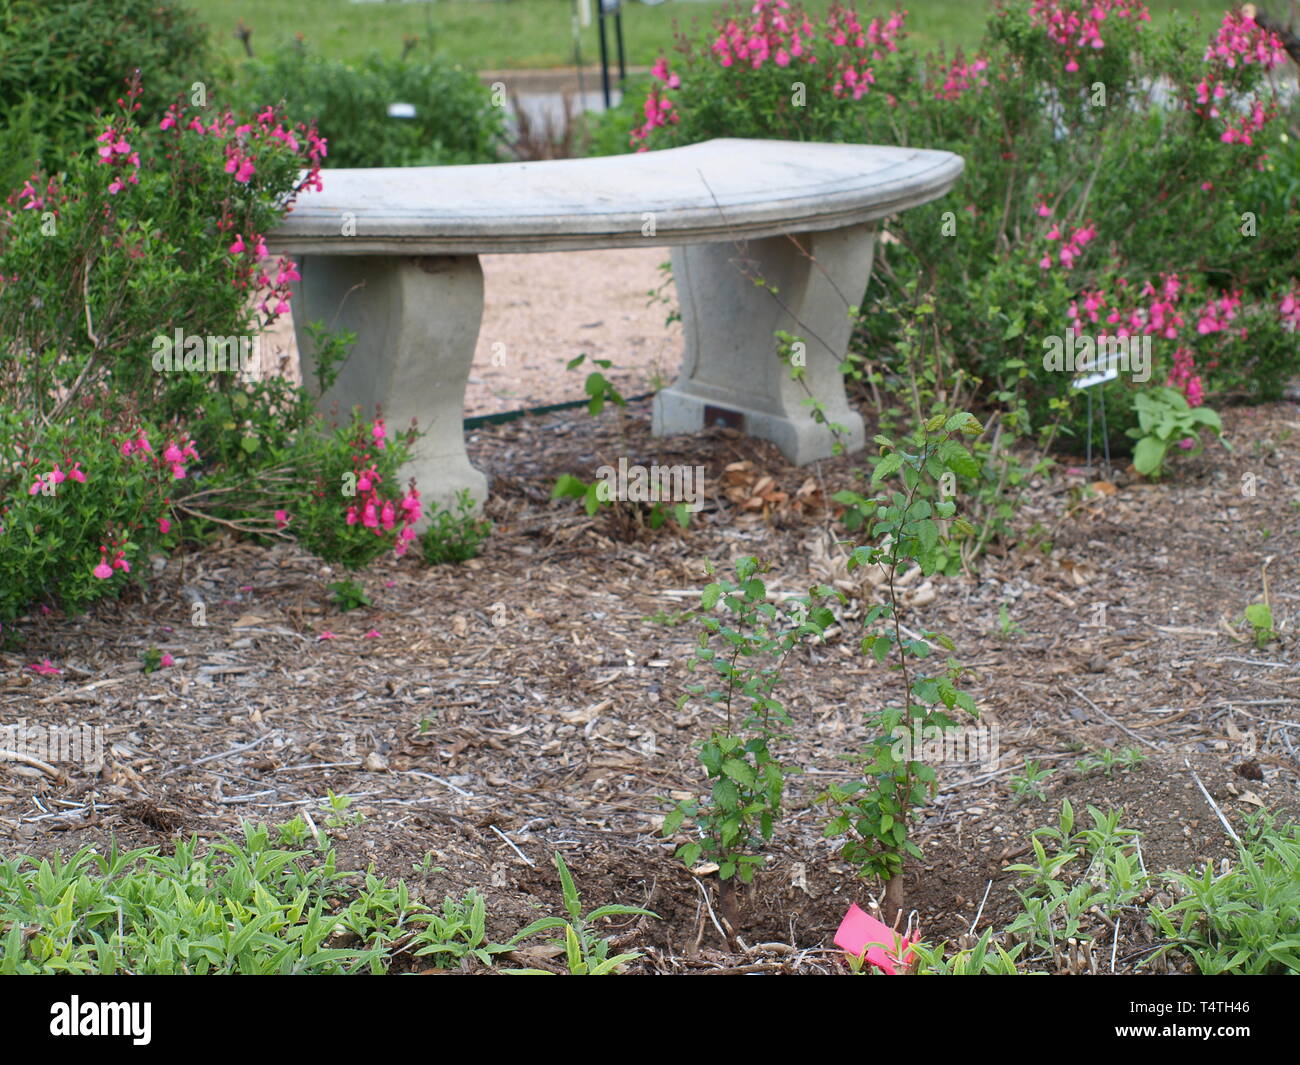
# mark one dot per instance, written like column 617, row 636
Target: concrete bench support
column 392, row 254
column 731, row 373
column 417, row 319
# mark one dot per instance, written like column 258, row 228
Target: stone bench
column 392, row 254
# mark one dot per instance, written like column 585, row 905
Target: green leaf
column 890, row 464
column 958, row 459
column 739, row 771
column 1149, row 455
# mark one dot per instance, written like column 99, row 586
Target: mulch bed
column 526, row 702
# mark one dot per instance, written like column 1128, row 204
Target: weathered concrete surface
column 712, row 192
column 416, row 320
column 731, row 371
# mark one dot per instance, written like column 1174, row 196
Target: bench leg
column 417, row 322
column 731, row 372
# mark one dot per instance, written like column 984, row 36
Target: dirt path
column 542, row 310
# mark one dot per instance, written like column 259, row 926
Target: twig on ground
column 1213, row 805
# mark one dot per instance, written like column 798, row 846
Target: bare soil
column 525, row 702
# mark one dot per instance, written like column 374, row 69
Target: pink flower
column 371, row 635
column 45, row 668
column 164, row 526
column 281, row 519
column 166, row 660
column 238, row 247
column 327, row 635
column 103, row 571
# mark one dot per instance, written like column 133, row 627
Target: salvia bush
column 132, row 285
column 1121, row 181
column 89, row 504
column 355, row 471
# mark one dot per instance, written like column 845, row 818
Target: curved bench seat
column 392, row 255
column 720, row 190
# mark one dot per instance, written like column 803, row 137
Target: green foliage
column 1108, row 761
column 746, row 650
column 347, row 595
column 455, row 121
column 597, row 385
column 63, row 60
column 585, row 952
column 596, row 494
column 1244, row 920
column 457, row 933
column 1029, row 785
column 455, row 536
column 1165, row 418
column 875, row 810
column 243, row 907
column 1260, row 618
column 1072, row 875
column 329, row 351
column 983, row 958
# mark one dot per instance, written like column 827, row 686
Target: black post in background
column 618, row 36
column 604, row 56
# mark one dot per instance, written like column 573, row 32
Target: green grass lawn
column 505, row 34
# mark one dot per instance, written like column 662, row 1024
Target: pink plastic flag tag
column 859, row 928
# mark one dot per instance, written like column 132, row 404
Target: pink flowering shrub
column 154, row 228
column 93, row 500
column 748, row 72
column 104, row 457
column 1128, row 179
column 353, row 508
